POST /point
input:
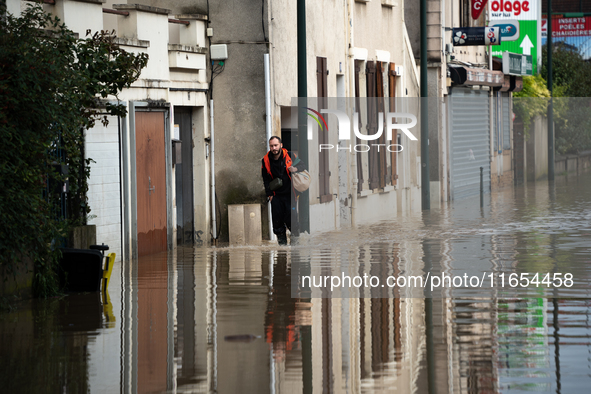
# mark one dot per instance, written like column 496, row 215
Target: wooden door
column 151, row 182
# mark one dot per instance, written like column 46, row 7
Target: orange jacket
column 267, row 163
column 266, row 170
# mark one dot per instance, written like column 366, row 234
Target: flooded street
column 240, row 320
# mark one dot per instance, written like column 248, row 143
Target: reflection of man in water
column 277, row 163
column 280, row 317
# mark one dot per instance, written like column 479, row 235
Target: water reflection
column 228, row 320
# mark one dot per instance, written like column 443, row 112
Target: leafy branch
column 51, row 84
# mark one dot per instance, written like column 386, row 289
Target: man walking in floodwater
column 276, row 170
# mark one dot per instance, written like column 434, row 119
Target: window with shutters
column 381, row 153
column 392, row 108
column 376, row 168
column 360, row 177
column 379, row 159
column 323, row 156
column 372, row 123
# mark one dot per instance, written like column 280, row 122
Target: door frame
column 130, row 229
column 186, row 143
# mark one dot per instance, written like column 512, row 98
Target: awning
column 467, row 76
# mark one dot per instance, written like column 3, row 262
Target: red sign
column 515, row 7
column 477, row 7
column 568, row 27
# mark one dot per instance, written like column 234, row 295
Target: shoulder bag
column 301, row 180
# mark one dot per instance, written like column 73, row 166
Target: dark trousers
column 284, row 214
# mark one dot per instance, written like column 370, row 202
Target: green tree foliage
column 571, row 84
column 51, row 86
column 573, row 127
column 569, row 71
column 571, row 87
column 532, row 100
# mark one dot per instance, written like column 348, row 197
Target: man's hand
column 270, row 198
column 293, row 169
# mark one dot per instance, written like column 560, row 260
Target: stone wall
column 572, row 163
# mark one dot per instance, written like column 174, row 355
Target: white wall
column 104, row 198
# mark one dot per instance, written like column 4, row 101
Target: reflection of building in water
column 280, row 319
column 191, row 340
column 474, row 316
column 474, row 346
column 241, row 301
column 165, row 330
column 523, row 350
column 366, row 344
column 226, row 321
column 188, row 315
column 152, row 321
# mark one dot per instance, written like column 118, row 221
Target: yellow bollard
column 109, row 261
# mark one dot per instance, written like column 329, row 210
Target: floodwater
column 238, row 320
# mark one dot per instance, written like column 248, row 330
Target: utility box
column 244, row 222
column 218, row 52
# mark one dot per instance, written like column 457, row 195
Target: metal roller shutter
column 470, row 142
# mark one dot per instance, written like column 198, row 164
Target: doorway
column 151, row 182
column 184, row 177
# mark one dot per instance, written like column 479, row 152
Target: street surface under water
column 236, row 320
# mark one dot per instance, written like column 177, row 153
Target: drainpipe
column 212, row 136
column 269, row 131
column 353, row 157
column 304, row 205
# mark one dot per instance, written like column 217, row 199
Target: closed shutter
column 470, row 142
column 392, row 108
column 358, row 141
column 372, row 125
column 382, row 140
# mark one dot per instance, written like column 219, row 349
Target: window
column 392, row 108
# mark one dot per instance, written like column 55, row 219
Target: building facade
column 147, row 197
column 149, row 166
